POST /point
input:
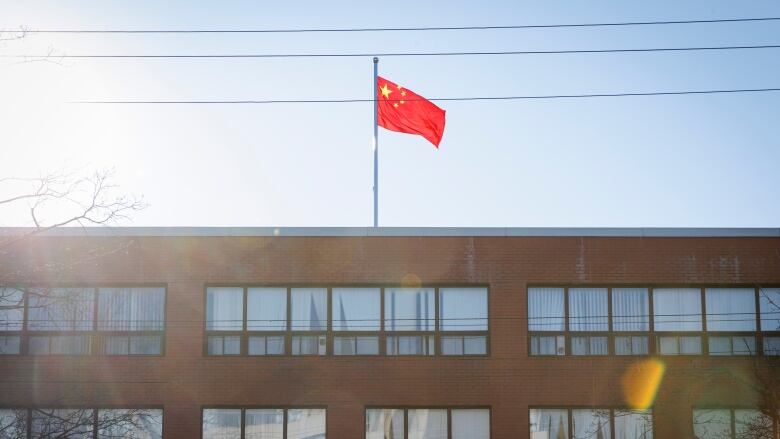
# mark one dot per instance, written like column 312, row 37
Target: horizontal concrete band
column 651, row 232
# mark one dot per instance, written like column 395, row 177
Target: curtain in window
column 384, row 424
column 266, row 309
column 712, row 423
column 588, row 309
column 769, row 298
column 409, row 309
column 630, row 309
column 222, row 424
column 225, row 309
column 731, row 309
column 470, row 423
column 264, row 424
column 427, row 424
column 463, row 309
column 131, row 309
column 633, row 424
column 306, row 424
column 591, row 424
column 309, row 309
column 11, row 309
column 545, row 309
column 130, row 424
column 677, row 309
column 56, row 423
column 61, row 309
column 549, row 423
column 356, row 309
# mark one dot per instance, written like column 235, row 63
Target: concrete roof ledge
column 649, row 232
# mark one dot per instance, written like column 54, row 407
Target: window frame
column 570, row 419
column 284, row 407
column 732, row 414
column 652, row 334
column 95, row 413
column 447, row 408
column 330, row 333
column 96, row 337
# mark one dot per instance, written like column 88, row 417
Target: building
column 401, row 333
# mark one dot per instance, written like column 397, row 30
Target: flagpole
column 376, row 146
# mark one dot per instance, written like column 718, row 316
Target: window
column 463, row 320
column 582, row 423
column 546, row 314
column 81, row 423
column 769, row 300
column 731, row 309
column 82, row 321
column 356, row 310
column 428, row 423
column 631, row 313
column 264, row 423
column 677, row 310
column 726, row 423
column 340, row 321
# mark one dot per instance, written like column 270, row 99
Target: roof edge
column 650, row 232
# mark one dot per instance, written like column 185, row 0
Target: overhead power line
column 399, row 54
column 483, row 98
column 392, row 29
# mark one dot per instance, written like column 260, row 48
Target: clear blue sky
column 652, row 161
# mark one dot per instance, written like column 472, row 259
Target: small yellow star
column 385, row 91
column 396, row 105
column 402, row 101
column 403, row 93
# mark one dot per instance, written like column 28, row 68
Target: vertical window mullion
column 25, row 339
column 437, row 322
column 382, row 335
column 566, row 334
column 406, row 424
column 449, row 423
column 329, row 323
column 93, row 349
column 610, row 338
column 28, row 422
column 733, row 423
column 612, row 431
column 244, row 344
column 651, row 338
column 243, row 423
column 569, row 413
column 759, row 336
column 288, row 335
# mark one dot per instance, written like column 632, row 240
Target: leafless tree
column 80, row 423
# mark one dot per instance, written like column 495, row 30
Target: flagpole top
column 376, row 60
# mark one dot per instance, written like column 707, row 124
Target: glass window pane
column 589, row 345
column 545, row 309
column 712, row 423
column 731, row 309
column 224, row 309
column 222, row 424
column 146, row 345
column 306, row 424
column 384, row 424
column 677, row 309
column 308, row 345
column 769, row 299
column 266, row 345
column 264, row 424
column 720, row 345
column 549, row 423
column 470, row 423
column 309, row 309
column 771, row 345
column 130, row 424
column 591, row 424
column 427, row 424
column 410, row 345
column 116, row 345
column 61, row 309
column 356, row 345
column 131, row 309
column 228, row 345
column 10, row 345
column 474, row 344
column 409, row 309
column 266, row 309
column 630, row 309
column 463, row 309
column 11, row 309
column 356, row 309
column 70, row 423
column 690, row 345
column 13, row 424
column 633, row 424
column 452, row 345
column 752, row 424
column 548, row 345
column 588, row 309
column 631, row 345
column 60, row 345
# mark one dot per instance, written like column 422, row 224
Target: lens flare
column 641, row 382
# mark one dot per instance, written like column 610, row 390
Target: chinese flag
column 404, row 111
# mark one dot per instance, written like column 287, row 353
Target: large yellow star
column 385, row 91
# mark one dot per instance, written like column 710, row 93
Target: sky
column 675, row 161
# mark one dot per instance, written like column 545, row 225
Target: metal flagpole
column 376, row 146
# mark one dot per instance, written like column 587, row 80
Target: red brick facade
column 509, row 381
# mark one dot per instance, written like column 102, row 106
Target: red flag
column 402, row 110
